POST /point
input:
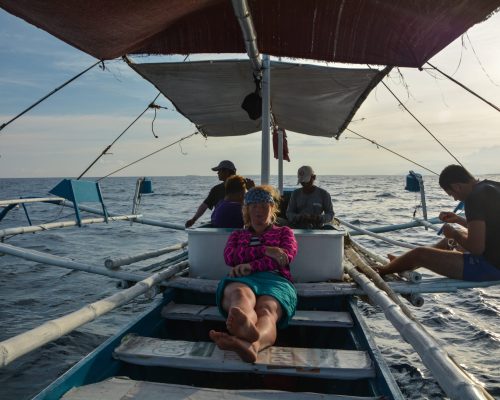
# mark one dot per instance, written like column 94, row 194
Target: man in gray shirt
column 310, row 206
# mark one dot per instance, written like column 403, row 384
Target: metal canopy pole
column 280, row 160
column 266, row 90
column 242, row 12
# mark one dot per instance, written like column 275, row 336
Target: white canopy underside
column 308, row 99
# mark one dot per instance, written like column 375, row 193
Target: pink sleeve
column 286, row 242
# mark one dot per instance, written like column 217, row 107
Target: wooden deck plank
column 195, row 312
column 206, row 356
column 128, row 389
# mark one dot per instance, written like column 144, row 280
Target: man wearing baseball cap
column 309, row 206
column 224, row 170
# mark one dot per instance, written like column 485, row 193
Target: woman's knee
column 237, row 290
column 267, row 306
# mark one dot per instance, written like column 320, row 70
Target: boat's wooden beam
column 196, row 312
column 325, row 289
column 206, row 356
column 125, row 388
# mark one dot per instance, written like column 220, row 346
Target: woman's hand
column 278, row 254
column 240, row 270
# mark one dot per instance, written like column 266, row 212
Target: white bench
column 319, row 256
column 124, row 388
column 206, row 356
column 196, row 312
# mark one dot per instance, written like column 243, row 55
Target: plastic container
column 318, row 259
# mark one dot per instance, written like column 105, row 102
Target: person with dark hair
column 473, row 253
column 258, row 295
column 224, row 170
column 309, row 206
column 227, row 214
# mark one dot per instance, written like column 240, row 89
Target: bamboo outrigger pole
column 118, row 262
column 15, row 347
column 453, row 380
column 62, row 224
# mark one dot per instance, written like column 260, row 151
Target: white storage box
column 319, row 257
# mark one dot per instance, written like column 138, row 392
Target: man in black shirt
column 225, row 169
column 478, row 255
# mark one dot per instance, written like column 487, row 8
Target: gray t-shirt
column 318, row 202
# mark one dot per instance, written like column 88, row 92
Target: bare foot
column 245, row 350
column 391, row 257
column 239, row 325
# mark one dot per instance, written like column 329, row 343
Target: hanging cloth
column 275, row 144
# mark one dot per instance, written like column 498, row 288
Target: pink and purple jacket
column 238, row 249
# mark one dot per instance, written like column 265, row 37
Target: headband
column 254, row 196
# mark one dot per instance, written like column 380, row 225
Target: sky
column 64, row 134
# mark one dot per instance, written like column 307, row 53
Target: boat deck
column 324, row 353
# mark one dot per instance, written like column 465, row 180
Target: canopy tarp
column 309, row 99
column 384, row 32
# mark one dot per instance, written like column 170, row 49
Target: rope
column 420, row 123
column 150, row 105
column 148, row 155
column 464, row 87
column 50, row 94
column 391, row 151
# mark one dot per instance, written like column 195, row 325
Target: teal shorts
column 265, row 284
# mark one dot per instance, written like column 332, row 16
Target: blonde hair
column 274, row 206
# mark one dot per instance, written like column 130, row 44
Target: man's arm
column 328, row 209
column 201, row 210
column 451, row 217
column 473, row 240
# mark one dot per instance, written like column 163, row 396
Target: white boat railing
column 15, row 347
column 63, row 224
column 139, row 220
column 118, row 262
column 4, row 203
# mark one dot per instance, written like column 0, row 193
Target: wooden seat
column 303, row 318
column 206, row 356
column 128, row 389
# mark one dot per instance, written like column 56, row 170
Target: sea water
column 466, row 322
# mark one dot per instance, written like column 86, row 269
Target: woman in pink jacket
column 258, row 295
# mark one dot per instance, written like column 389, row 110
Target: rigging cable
column 464, row 87
column 50, row 94
column 420, row 123
column 148, row 155
column 150, row 105
column 391, row 151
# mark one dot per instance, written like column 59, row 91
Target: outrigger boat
column 327, row 352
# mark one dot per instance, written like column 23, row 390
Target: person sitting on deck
column 309, row 206
column 471, row 254
column 227, row 213
column 258, row 295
